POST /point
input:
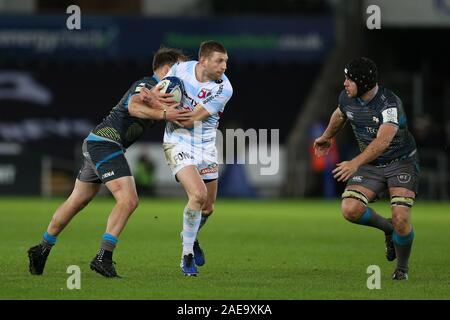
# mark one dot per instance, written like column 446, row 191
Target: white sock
column 191, row 222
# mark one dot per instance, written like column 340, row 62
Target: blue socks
column 372, row 219
column 403, row 245
column 48, row 240
column 109, row 242
column 403, row 240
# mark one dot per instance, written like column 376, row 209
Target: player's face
column 216, row 65
column 351, row 89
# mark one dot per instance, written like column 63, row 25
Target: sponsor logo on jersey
column 211, row 97
column 192, row 103
column 371, row 130
column 204, row 93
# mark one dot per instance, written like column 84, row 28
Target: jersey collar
column 366, row 102
column 156, row 77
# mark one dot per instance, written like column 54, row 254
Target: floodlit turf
column 254, row 250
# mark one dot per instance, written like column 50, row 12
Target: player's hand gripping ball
column 173, row 85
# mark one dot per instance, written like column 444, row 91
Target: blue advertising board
column 253, row 39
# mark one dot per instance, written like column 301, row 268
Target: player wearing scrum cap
column 388, row 159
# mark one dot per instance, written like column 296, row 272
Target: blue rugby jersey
column 119, row 126
column 366, row 118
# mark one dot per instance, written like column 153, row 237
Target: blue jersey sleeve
column 136, row 88
column 138, row 85
column 342, row 102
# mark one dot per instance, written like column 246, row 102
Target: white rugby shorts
column 179, row 156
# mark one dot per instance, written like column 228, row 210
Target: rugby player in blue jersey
column 388, row 159
column 104, row 162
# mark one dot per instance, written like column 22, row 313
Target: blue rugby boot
column 199, row 255
column 188, row 266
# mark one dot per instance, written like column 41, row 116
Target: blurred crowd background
column 286, row 67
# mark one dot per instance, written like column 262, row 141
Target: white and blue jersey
column 212, row 95
column 195, row 146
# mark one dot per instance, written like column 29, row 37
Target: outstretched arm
column 154, row 98
column 140, row 109
column 323, row 143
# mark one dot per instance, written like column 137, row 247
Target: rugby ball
column 173, row 85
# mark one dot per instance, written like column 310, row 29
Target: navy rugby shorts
column 103, row 161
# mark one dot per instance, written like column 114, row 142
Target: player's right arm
column 153, row 108
column 323, row 143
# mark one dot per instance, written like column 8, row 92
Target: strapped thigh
column 355, row 194
column 402, row 201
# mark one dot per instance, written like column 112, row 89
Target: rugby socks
column 403, row 245
column 48, row 241
column 372, row 219
column 203, row 221
column 107, row 247
column 191, row 223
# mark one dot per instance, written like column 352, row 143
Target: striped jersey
column 119, row 126
column 366, row 117
column 212, row 95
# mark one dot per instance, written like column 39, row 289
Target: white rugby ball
column 173, row 85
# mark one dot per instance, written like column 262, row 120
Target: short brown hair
column 169, row 56
column 207, row 48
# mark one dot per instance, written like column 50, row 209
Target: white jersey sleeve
column 218, row 98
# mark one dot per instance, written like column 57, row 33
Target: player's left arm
column 198, row 114
column 210, row 106
column 385, row 134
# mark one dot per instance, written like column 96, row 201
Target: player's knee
column 401, row 207
column 354, row 203
column 133, row 203
column 199, row 196
column 78, row 204
column 130, row 203
column 352, row 209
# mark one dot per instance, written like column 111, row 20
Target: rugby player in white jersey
column 191, row 151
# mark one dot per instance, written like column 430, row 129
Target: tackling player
column 104, row 162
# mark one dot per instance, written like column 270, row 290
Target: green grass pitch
column 254, row 249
